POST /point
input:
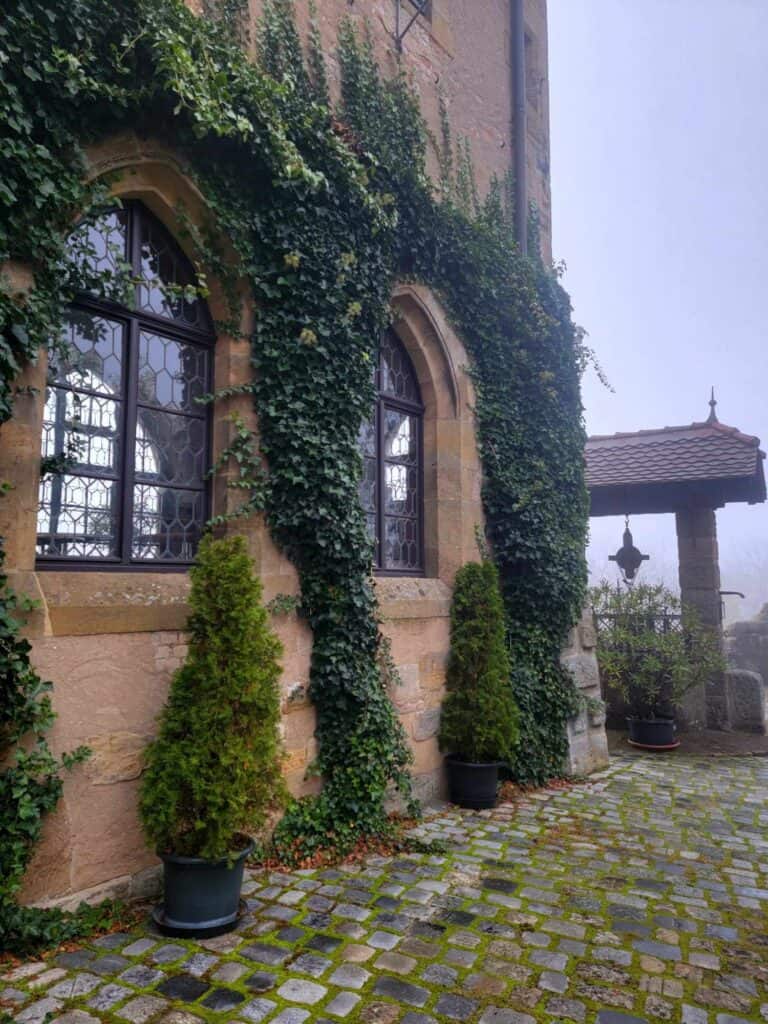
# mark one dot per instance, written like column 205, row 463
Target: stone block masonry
column 587, row 742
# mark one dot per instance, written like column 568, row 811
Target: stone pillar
column 20, row 445
column 20, row 468
column 587, row 741
column 699, row 567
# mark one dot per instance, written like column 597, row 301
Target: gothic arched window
column 121, row 410
column 391, row 445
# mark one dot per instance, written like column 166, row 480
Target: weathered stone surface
column 383, row 940
column 116, row 757
column 502, row 1015
column 426, row 724
column 402, row 991
column 379, row 1013
column 47, row 978
column 299, row 991
column 141, row 1009
column 265, row 954
column 139, row 947
column 261, row 981
column 183, row 987
column 221, row 999
column 180, row 1017
column 584, row 669
column 39, row 1011
column 455, row 1007
column 108, row 996
column 76, row 985
column 342, row 1004
column 141, row 976
column 256, row 1010
column 75, row 958
column 395, row 962
column 76, row 1017
column 611, row 1017
column 108, row 965
column 567, row 1009
column 349, row 976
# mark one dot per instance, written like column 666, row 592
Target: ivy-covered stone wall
column 462, row 52
column 304, row 212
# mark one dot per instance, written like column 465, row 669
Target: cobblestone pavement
column 642, row 894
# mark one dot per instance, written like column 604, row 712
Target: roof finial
column 712, row 418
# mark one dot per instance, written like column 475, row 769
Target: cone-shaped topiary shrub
column 213, row 772
column 479, row 720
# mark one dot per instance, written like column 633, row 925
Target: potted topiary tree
column 651, row 652
column 479, row 722
column 213, row 772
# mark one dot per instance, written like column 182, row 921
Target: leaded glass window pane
column 172, row 374
column 164, row 274
column 166, row 523
column 122, row 406
column 77, row 517
column 390, row 444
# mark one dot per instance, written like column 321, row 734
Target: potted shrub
column 213, row 773
column 479, row 722
column 651, row 652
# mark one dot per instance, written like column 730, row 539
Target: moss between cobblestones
column 589, row 848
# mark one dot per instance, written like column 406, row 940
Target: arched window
column 121, row 404
column 391, row 491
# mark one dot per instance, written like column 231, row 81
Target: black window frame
column 415, row 409
column 426, row 13
column 136, row 320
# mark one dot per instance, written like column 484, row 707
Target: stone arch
column 146, row 170
column 451, row 464
column 433, row 347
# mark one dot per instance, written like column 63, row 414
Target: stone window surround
column 85, row 602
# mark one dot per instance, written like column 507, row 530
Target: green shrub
column 213, row 772
column 480, row 718
column 650, row 649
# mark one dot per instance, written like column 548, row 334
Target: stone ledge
column 89, row 603
column 94, row 603
column 143, row 885
column 413, row 597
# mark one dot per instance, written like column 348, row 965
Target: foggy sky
column 660, row 210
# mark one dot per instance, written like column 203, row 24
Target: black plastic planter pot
column 653, row 733
column 202, row 897
column 472, row 785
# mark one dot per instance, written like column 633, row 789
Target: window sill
column 90, row 603
column 413, row 597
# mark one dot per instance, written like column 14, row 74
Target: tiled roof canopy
column 674, row 467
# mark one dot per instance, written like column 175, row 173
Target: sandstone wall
column 110, row 641
column 463, row 50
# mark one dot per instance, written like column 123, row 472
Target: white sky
column 660, row 210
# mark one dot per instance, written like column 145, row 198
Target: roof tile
column 701, row 451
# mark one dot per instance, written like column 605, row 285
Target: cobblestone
column 639, row 896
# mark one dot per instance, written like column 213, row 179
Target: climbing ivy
column 324, row 208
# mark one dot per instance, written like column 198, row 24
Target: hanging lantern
column 628, row 557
